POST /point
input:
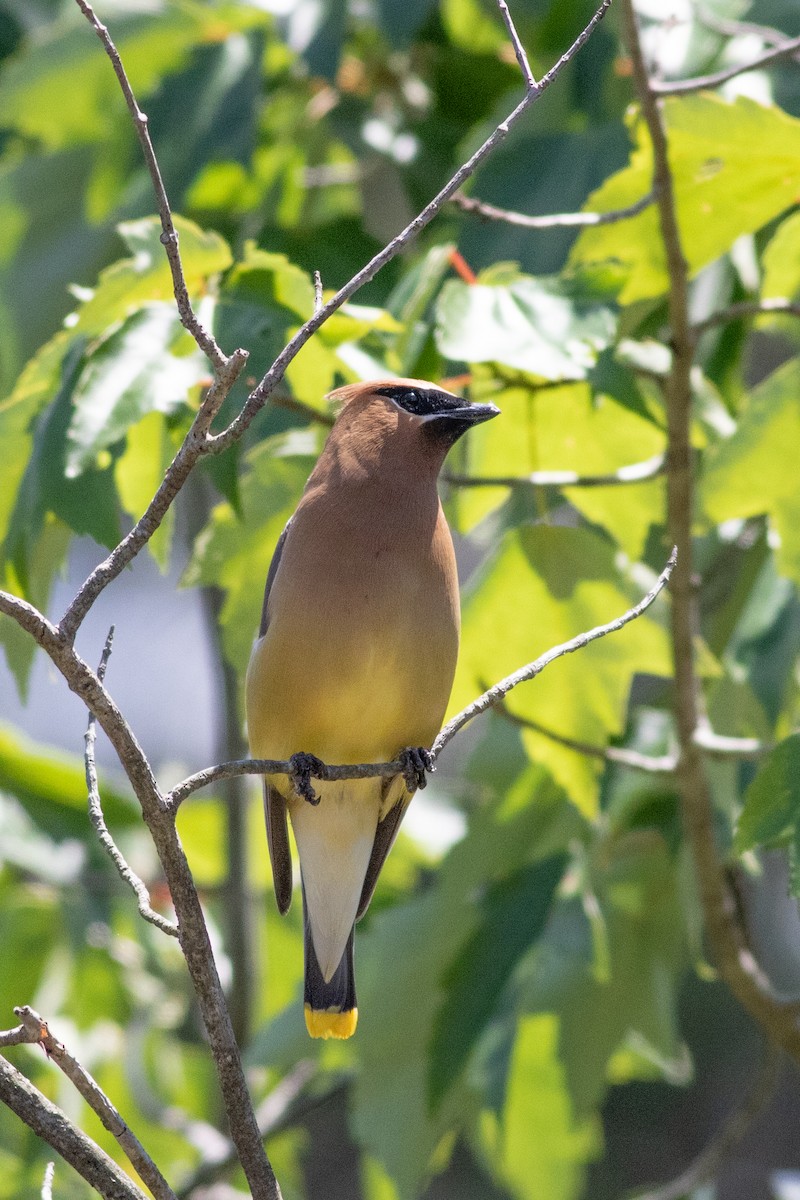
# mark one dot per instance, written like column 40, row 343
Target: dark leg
column 416, row 762
column 303, row 767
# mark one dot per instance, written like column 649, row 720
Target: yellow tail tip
column 330, row 1022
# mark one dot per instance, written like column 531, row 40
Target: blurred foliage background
column 538, row 1018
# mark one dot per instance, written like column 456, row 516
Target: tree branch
column 38, row 1033
column 496, row 693
column 488, row 212
column 639, row 472
column 54, row 1127
column 98, row 820
column 734, row 960
column 47, row 1182
column 708, row 1162
column 194, row 445
column 663, row 764
column 193, row 933
column 746, row 308
column 169, row 236
column 680, row 87
column 729, row 28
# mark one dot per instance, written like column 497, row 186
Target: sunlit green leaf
column 732, row 165
column 772, row 802
column 536, row 325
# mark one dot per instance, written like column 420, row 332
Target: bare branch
column 718, row 745
column 664, row 764
column 747, row 308
column 679, row 87
column 494, row 694
column 632, row 473
column 194, row 445
column 260, row 394
column 38, row 1033
column 193, row 933
column 317, row 291
column 169, row 236
column 729, row 28
column 708, row 1162
column 98, row 820
column 733, row 957
column 488, row 212
column 54, row 1127
column 519, row 49
column 47, row 1182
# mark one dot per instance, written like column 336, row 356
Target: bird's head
column 418, row 414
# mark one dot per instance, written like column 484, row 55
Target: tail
column 330, row 1008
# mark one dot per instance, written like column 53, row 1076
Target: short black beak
column 471, row 414
column 451, row 423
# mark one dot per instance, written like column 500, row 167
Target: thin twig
column 747, row 308
column 679, row 87
column 488, row 212
column 327, row 771
column 261, row 393
column 192, row 448
column 729, row 28
column 38, row 1033
column 98, row 820
column 47, row 1182
column 662, row 764
column 708, row 1162
column 631, row 473
column 317, row 291
column 516, row 42
column 728, row 941
column 169, row 236
column 54, row 1127
column 501, row 689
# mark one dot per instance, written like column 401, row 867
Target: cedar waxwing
column 355, row 660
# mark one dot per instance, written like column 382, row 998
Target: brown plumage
column 355, row 658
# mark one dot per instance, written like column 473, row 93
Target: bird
column 354, row 661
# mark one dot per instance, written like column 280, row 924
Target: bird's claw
column 303, row 767
column 417, row 762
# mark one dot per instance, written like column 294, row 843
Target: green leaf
column 542, row 326
column 552, row 1162
column 150, row 447
column 513, row 914
column 148, row 364
column 781, row 261
column 561, row 429
column 544, row 586
column 37, row 384
column 51, row 786
column 133, row 282
column 86, row 504
column 772, row 801
column 733, row 171
column 405, row 959
column 752, row 473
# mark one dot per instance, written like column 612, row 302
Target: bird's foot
column 417, row 761
column 303, row 767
